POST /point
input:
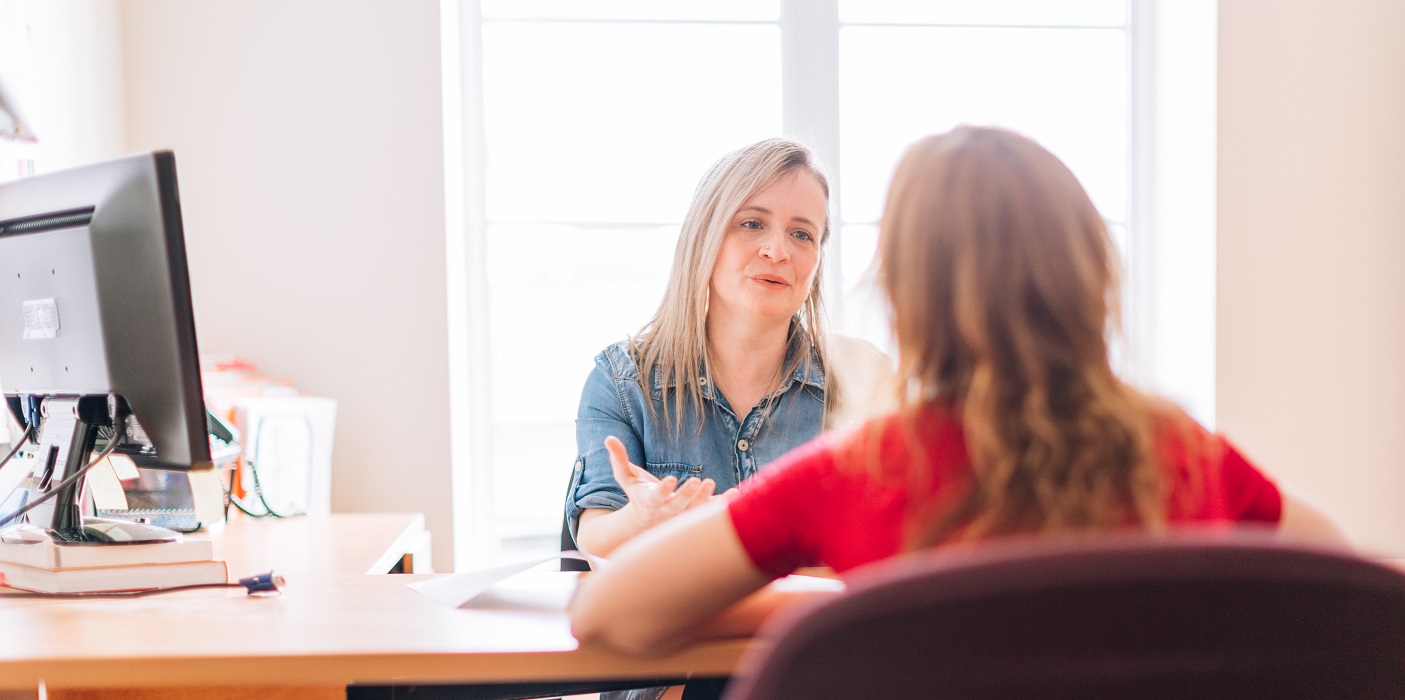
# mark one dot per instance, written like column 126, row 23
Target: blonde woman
column 731, row 372
column 1003, row 282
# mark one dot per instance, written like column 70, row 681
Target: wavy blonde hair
column 674, row 342
column 1004, row 286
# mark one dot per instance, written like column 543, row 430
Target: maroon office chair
column 1186, row 616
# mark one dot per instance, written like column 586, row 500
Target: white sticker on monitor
column 41, row 319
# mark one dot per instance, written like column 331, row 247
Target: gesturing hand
column 652, row 499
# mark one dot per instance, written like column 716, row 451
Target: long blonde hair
column 674, row 342
column 1004, row 285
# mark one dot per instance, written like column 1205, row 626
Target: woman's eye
column 803, row 235
column 751, row 224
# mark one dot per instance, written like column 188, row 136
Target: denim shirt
column 728, row 448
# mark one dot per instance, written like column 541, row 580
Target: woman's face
column 771, row 251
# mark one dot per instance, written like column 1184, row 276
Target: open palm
column 655, row 499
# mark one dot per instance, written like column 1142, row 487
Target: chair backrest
column 1185, row 616
column 568, row 543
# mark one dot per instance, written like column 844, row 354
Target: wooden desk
column 327, row 630
column 341, row 543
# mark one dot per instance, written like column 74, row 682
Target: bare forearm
column 1303, row 520
column 671, row 585
column 602, row 531
column 749, row 613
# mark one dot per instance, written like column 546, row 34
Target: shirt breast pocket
column 677, row 469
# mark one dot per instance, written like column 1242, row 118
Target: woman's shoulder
column 865, row 377
column 1185, row 446
column 847, row 348
column 612, row 382
column 618, row 360
column 887, row 443
column 1173, row 428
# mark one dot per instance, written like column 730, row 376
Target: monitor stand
column 71, row 427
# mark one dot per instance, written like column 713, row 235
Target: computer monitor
column 95, row 322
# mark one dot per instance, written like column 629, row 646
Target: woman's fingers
column 625, row 472
column 659, row 498
column 619, row 459
column 684, row 494
column 692, row 493
column 704, row 494
column 666, row 487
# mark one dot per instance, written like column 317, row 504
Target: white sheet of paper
column 458, row 590
column 800, row 583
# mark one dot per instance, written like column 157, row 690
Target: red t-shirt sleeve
column 1248, row 494
column 774, row 514
column 1227, row 487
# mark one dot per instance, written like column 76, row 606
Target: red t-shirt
column 822, row 504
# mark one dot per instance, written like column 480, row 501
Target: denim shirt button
column 743, row 445
column 579, row 464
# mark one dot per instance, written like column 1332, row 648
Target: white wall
column 1311, row 305
column 308, row 140
column 309, row 147
column 62, row 60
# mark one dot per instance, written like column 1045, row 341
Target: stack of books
column 86, row 568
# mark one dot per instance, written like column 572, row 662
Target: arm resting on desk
column 685, row 580
column 1304, row 521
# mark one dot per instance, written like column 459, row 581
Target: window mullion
column 1140, row 279
column 810, row 101
column 475, row 539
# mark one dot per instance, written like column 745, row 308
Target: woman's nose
column 774, row 248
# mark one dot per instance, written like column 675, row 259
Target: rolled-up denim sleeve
column 603, row 412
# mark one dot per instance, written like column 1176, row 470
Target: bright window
column 596, row 130
column 587, row 126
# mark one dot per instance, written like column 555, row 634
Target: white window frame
column 810, row 111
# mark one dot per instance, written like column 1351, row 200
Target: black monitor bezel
column 148, row 326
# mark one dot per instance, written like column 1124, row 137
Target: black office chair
column 567, row 542
column 1204, row 616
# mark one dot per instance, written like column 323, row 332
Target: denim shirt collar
column 811, row 373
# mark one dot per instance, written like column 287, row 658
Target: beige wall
column 1311, row 252
column 309, row 145
column 62, row 61
column 308, row 140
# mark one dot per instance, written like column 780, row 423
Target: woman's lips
column 770, row 280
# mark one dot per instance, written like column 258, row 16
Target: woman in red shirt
column 1003, row 283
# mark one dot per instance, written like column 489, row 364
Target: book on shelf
column 47, row 555
column 112, row 578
